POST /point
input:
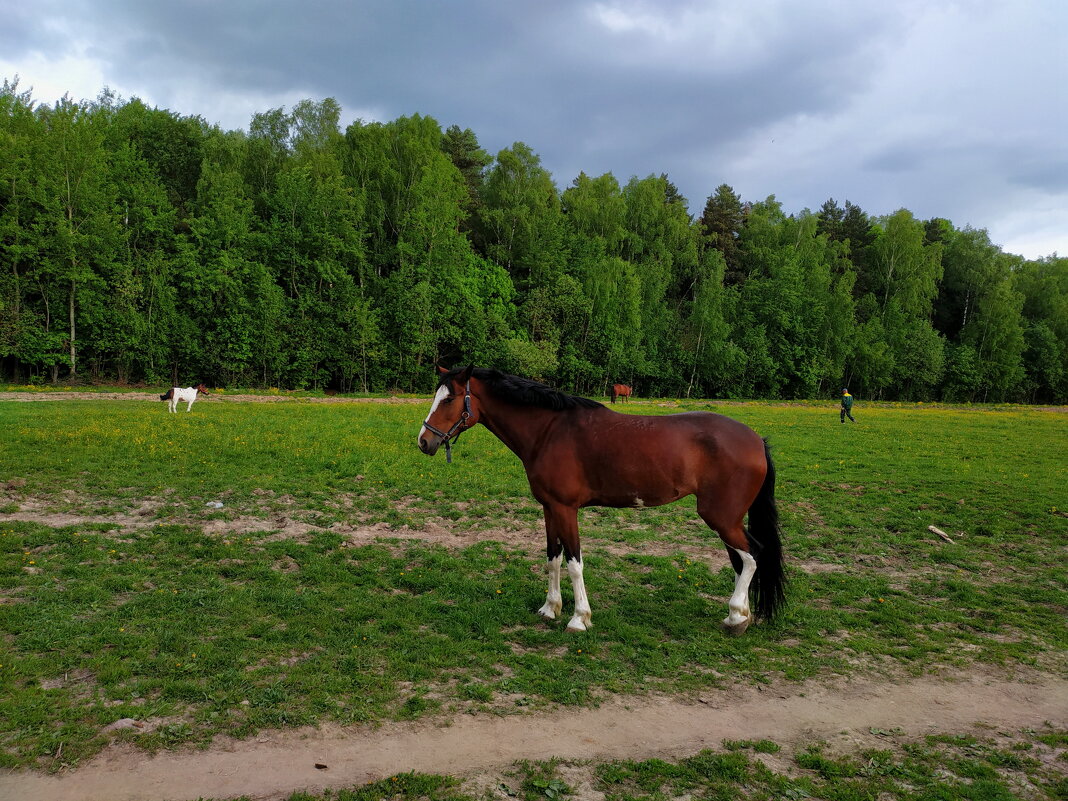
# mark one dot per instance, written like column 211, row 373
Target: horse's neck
column 520, row 428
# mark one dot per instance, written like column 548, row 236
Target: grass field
column 202, row 625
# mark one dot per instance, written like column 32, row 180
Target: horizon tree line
column 139, row 245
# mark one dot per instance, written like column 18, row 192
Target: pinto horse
column 175, row 394
column 621, row 391
column 578, row 452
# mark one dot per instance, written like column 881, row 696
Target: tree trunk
column 73, row 348
column 696, row 357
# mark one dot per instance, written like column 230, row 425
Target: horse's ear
column 441, row 370
column 465, row 376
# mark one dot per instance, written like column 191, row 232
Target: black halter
column 457, row 428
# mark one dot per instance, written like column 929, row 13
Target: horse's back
column 714, row 427
column 706, row 436
column 706, row 424
column 605, row 458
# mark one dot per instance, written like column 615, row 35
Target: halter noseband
column 457, row 428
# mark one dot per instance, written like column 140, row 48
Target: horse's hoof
column 576, row 624
column 736, row 629
column 547, row 613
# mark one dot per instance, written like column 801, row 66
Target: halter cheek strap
column 457, row 428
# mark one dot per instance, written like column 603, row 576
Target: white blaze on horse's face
column 424, row 445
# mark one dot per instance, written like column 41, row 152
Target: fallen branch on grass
column 941, row 534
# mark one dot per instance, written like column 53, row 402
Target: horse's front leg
column 561, row 524
column 554, row 601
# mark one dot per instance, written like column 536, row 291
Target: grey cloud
column 1045, row 175
column 626, row 86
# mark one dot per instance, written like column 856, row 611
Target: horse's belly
column 633, row 502
column 637, row 497
column 636, row 480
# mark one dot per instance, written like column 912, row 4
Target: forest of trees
column 141, row 246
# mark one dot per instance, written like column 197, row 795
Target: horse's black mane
column 524, row 391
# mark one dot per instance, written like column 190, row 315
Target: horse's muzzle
column 429, row 444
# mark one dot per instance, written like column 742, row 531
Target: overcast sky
column 949, row 109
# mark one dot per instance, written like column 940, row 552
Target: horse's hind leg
column 739, row 616
column 733, row 535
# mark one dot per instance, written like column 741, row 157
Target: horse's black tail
column 765, row 543
column 167, row 395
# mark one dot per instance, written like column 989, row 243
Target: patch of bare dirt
column 526, row 537
column 848, row 713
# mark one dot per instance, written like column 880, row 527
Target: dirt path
column 47, row 395
column 150, row 396
column 277, row 764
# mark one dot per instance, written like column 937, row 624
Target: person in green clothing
column 847, row 406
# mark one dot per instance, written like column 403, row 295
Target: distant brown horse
column 578, row 452
column 621, row 391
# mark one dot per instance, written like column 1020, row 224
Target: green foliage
column 722, row 223
column 141, row 246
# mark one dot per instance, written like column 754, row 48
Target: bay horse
column 176, row 394
column 621, row 391
column 578, row 452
